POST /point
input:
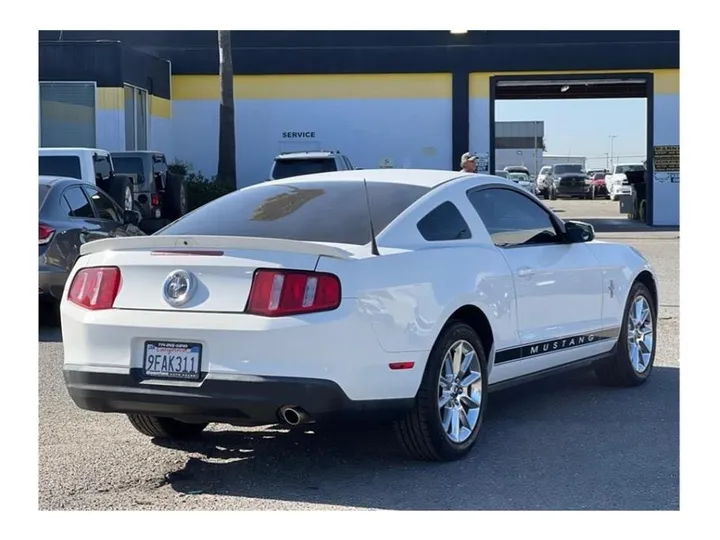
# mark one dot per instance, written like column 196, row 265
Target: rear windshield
column 319, row 211
column 286, row 168
column 128, row 165
column 68, row 166
column 44, row 189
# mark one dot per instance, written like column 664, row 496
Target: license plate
column 172, row 360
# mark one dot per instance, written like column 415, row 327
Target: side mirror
column 579, row 232
column 132, row 217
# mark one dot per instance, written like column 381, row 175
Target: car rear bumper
column 237, row 399
column 339, row 346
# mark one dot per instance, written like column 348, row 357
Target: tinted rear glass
column 68, row 166
column 285, row 168
column 128, row 165
column 319, row 211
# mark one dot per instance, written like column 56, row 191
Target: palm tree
column 226, row 147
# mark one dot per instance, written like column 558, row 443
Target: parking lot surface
column 562, row 443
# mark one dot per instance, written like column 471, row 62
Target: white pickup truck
column 617, row 183
column 91, row 165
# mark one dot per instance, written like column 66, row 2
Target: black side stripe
column 555, row 345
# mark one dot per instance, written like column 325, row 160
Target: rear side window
column 67, row 166
column 445, row 222
column 78, row 203
column 319, row 211
column 286, row 168
column 102, row 167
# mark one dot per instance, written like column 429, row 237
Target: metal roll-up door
column 67, row 114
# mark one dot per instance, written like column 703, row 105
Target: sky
column 582, row 127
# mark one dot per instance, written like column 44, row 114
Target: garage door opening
column 538, row 122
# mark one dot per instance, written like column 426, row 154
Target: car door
column 558, row 285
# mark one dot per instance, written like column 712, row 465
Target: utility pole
column 607, row 161
column 612, row 146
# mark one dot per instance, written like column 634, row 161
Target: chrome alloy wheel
column 460, row 392
column 640, row 334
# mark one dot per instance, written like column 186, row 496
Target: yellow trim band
column 370, row 86
column 110, row 99
column 159, row 107
column 667, row 81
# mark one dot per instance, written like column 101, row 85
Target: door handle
column 525, row 272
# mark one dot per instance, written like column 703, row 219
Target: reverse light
column 46, row 234
column 95, row 288
column 278, row 293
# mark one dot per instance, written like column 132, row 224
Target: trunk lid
column 216, row 272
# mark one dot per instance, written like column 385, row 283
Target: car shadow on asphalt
column 560, row 443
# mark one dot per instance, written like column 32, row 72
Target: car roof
column 310, row 154
column 428, row 178
column 71, row 151
column 50, row 180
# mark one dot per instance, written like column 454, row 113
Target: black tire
column 117, row 188
column 642, row 210
column 544, row 193
column 592, row 193
column 175, row 200
column 619, row 370
column 553, row 194
column 165, row 428
column 421, row 433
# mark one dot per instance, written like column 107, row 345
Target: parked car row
column 139, row 181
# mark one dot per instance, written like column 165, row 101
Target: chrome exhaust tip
column 292, row 415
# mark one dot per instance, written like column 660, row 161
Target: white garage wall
column 371, row 118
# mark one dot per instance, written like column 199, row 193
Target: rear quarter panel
column 408, row 296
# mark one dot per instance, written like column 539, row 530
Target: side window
column 102, row 168
column 513, row 219
column 445, row 222
column 76, row 204
column 105, row 207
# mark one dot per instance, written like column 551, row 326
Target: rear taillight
column 275, row 293
column 155, row 199
column 46, row 234
column 95, row 288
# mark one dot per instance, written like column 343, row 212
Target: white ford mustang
column 379, row 295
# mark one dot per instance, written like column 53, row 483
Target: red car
column 598, row 187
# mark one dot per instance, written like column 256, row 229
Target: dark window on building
column 530, row 143
column 445, row 222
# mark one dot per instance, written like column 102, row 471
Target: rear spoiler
column 169, row 242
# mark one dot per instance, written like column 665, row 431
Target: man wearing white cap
column 468, row 163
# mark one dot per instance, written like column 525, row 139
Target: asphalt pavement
column 559, row 444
